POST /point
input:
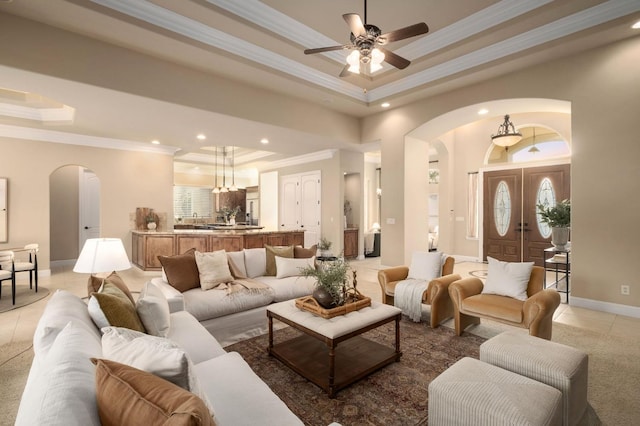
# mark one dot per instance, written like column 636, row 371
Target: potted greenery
column 558, row 218
column 324, row 246
column 230, row 214
column 331, row 282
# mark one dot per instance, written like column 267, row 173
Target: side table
column 558, row 261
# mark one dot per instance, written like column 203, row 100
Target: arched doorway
column 74, row 205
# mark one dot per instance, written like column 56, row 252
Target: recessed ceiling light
column 636, row 26
column 264, row 141
column 385, row 105
column 155, row 142
column 483, row 111
column 201, row 137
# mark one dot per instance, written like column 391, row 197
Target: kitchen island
column 148, row 245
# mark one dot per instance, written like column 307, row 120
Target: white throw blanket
column 408, row 297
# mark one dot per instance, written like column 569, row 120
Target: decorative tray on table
column 308, row 303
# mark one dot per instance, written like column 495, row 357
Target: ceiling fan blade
column 402, row 33
column 326, row 49
column 355, row 24
column 345, row 71
column 395, row 60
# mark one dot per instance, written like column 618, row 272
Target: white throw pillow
column 425, row 265
column 155, row 355
column 508, row 278
column 213, row 268
column 65, row 391
column 255, row 261
column 153, row 310
column 288, row 267
column 237, row 257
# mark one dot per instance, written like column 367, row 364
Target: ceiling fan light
column 377, row 57
column 374, row 67
column 354, row 61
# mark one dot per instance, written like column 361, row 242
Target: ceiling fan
column 367, row 41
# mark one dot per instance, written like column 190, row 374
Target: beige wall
column 64, row 214
column 128, row 180
column 602, row 86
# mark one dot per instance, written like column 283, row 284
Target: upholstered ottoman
column 472, row 392
column 563, row 367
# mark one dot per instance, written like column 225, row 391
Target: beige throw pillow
column 272, row 252
column 509, row 279
column 213, row 268
column 153, row 310
column 291, row 267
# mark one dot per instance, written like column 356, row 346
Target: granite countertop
column 226, row 230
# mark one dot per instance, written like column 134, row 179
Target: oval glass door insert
column 547, row 197
column 502, row 208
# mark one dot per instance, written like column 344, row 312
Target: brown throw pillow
column 117, row 308
column 300, row 252
column 94, row 284
column 272, row 252
column 126, row 395
column 181, row 270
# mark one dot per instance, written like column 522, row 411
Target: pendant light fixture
column 534, row 148
column 233, row 188
column 224, row 171
column 216, row 190
column 507, row 135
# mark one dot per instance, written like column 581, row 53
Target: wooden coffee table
column 315, row 354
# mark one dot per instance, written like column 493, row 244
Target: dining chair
column 31, row 266
column 7, row 273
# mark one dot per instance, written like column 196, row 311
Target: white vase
column 559, row 237
column 151, row 226
column 232, row 220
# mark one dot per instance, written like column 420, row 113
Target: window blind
column 188, row 200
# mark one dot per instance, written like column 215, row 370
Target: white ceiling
column 261, row 43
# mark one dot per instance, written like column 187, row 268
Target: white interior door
column 289, row 203
column 89, row 196
column 310, row 195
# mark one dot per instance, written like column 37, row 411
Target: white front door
column 89, row 196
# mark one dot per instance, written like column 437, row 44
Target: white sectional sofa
column 241, row 316
column 62, row 388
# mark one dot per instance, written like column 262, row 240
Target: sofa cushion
column 153, row 310
column 110, row 306
column 213, row 268
column 64, row 393
column 239, row 396
column 300, row 252
column 272, row 252
column 181, row 270
column 290, row 287
column 286, row 267
column 95, row 283
column 215, row 303
column 61, row 308
column 425, row 265
column 255, row 261
column 191, row 336
column 509, row 279
column 126, row 395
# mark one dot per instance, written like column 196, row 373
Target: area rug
column 394, row 395
column 24, row 296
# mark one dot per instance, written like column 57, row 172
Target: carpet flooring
column 24, row 296
column 394, row 395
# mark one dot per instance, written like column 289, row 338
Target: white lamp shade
column 102, row 255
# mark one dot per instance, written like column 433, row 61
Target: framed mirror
column 4, row 225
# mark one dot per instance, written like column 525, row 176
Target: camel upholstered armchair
column 436, row 295
column 530, row 307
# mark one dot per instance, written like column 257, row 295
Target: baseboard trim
column 612, row 308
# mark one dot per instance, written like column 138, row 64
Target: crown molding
column 54, row 136
column 43, row 115
column 301, row 159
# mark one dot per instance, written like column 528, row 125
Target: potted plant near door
column 558, row 218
